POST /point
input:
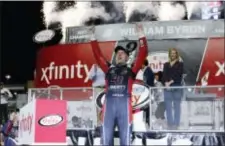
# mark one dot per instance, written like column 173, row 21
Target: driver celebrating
column 117, row 109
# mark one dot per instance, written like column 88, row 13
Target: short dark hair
column 146, row 62
column 160, row 75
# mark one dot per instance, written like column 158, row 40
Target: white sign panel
column 81, row 115
column 27, row 123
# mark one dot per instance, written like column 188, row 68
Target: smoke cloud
column 192, row 8
column 49, row 15
column 140, row 11
column 171, row 11
column 69, row 14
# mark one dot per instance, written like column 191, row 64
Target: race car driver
column 117, row 109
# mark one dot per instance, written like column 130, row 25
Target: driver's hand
column 139, row 30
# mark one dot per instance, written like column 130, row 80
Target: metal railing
column 202, row 107
column 81, row 109
column 187, row 109
column 60, row 93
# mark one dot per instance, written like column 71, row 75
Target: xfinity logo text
column 221, row 69
column 50, row 120
column 57, row 72
column 157, row 60
column 25, row 124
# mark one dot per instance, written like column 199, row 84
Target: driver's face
column 121, row 57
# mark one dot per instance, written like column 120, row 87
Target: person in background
column 172, row 76
column 148, row 78
column 159, row 97
column 148, row 75
column 5, row 95
column 97, row 76
column 10, row 130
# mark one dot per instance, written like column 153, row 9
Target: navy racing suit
column 117, row 109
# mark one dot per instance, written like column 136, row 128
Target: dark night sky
column 19, row 22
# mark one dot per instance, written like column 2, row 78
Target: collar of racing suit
column 121, row 64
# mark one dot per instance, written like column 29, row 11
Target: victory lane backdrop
column 68, row 65
column 200, row 44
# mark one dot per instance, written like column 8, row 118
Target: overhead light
column 8, row 77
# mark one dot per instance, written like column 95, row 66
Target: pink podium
column 43, row 122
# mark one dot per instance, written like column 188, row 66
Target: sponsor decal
column 50, row 120
column 25, row 124
column 131, row 46
column 212, row 70
column 140, row 96
column 202, row 111
column 220, row 68
column 81, row 34
column 157, row 60
column 81, row 114
column 84, row 108
column 43, row 36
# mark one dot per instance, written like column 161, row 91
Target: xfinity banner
column 153, row 30
column 203, row 62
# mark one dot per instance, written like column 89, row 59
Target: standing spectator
column 159, row 97
column 10, row 130
column 148, row 75
column 5, row 95
column 148, row 78
column 97, row 76
column 172, row 76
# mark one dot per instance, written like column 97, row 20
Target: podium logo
column 139, row 97
column 43, row 36
column 25, row 124
column 50, row 120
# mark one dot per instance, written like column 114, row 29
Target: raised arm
column 143, row 50
column 101, row 61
